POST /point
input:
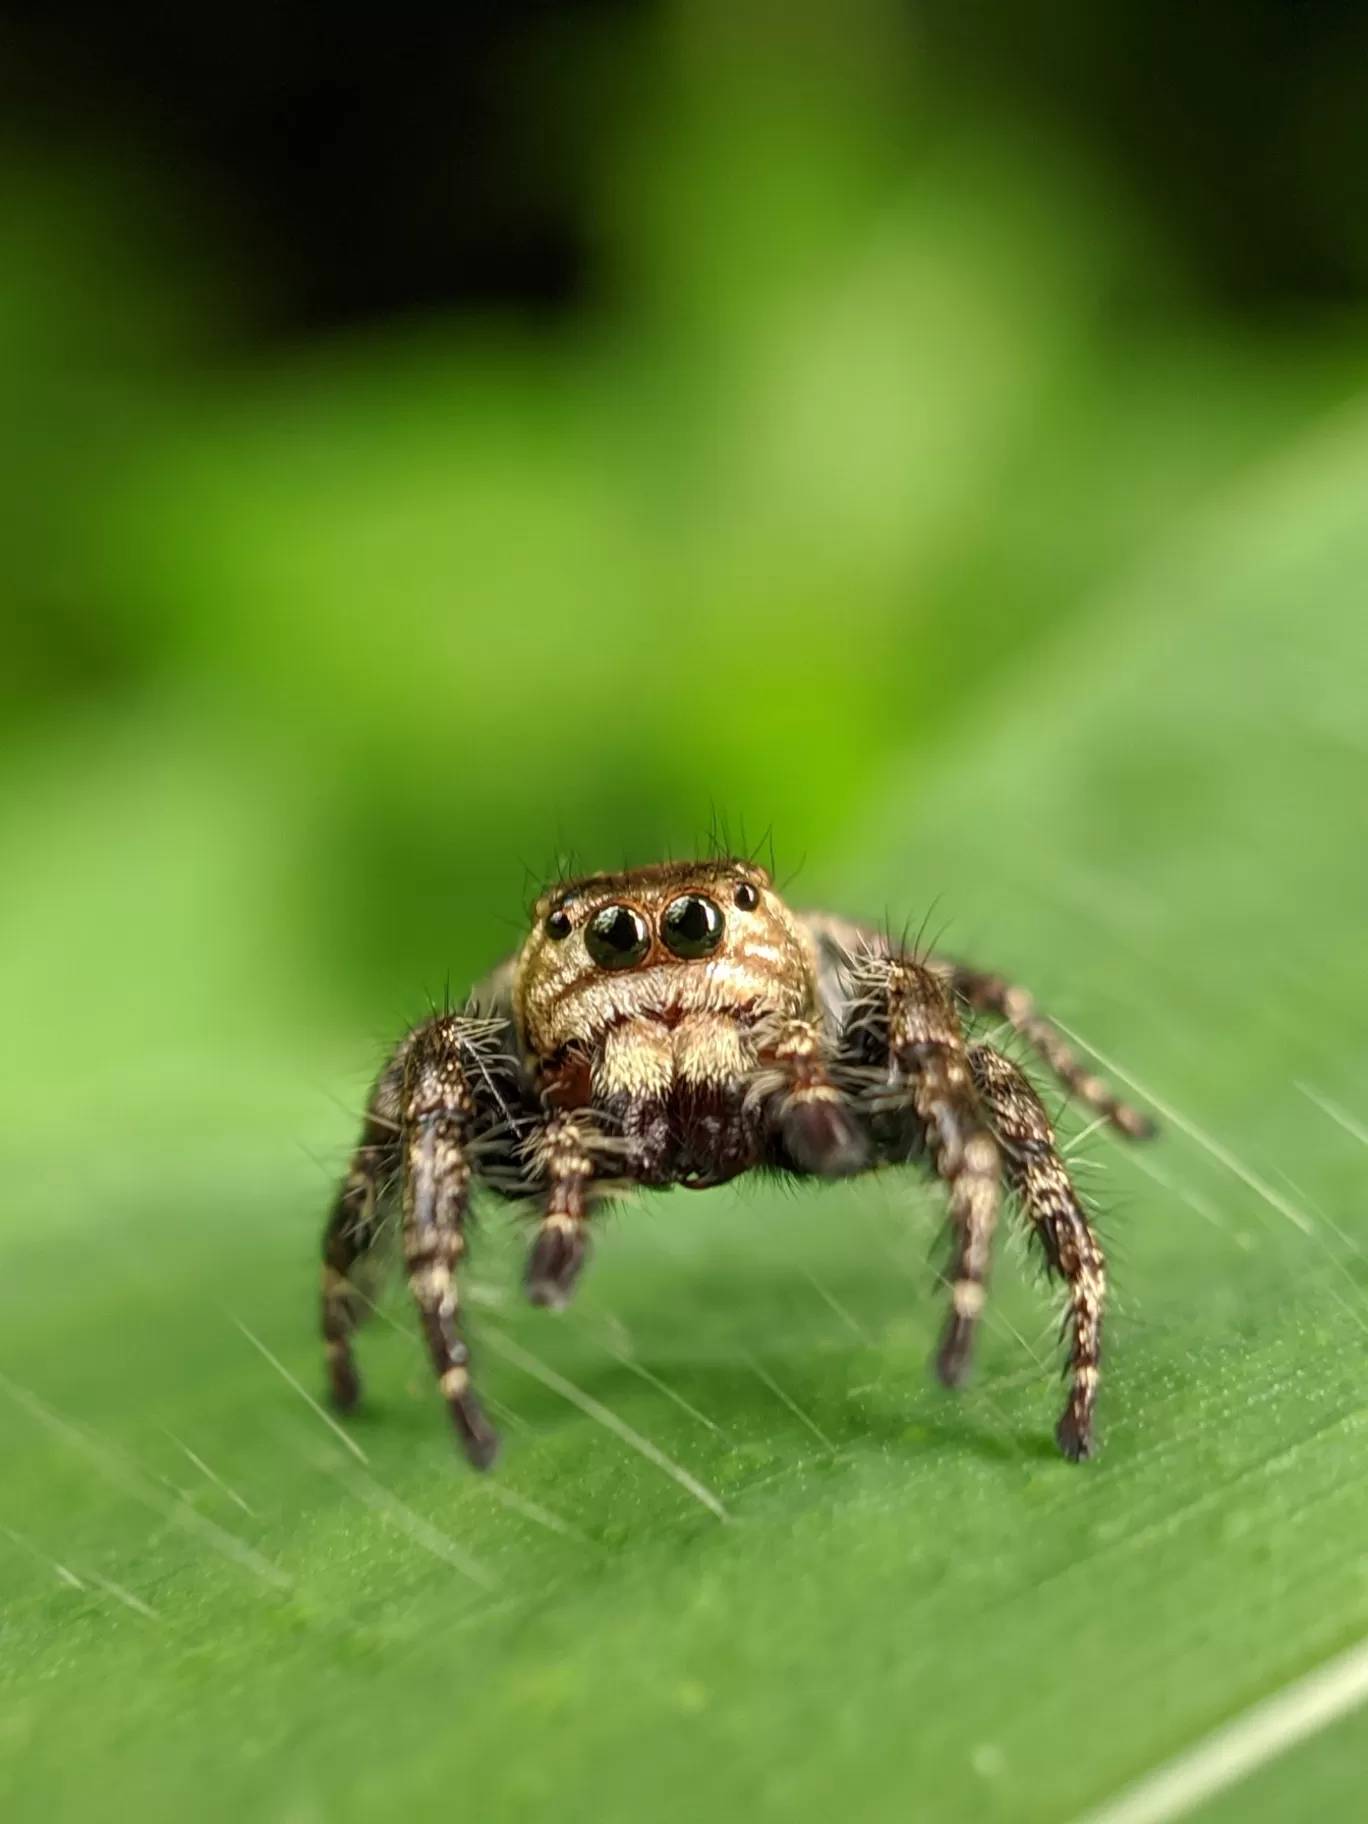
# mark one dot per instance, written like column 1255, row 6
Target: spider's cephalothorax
column 678, row 1025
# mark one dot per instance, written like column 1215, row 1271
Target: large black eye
column 692, row 926
column 617, row 937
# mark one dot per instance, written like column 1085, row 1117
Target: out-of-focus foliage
column 897, row 495
column 885, row 388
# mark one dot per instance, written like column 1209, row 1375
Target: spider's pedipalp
column 816, row 1124
column 564, row 1155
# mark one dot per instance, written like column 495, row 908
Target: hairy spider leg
column 438, row 1119
column 354, row 1229
column 1041, row 1182
column 929, row 1060
column 989, row 993
column 843, row 942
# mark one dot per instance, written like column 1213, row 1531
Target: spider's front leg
column 438, row 1116
column 1041, row 1181
column 905, row 1021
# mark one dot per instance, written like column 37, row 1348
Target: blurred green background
column 440, row 447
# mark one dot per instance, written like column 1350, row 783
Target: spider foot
column 344, row 1383
column 558, row 1254
column 1074, row 1435
column 954, row 1358
column 1132, row 1123
column 479, row 1440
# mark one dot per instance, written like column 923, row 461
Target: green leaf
column 215, row 1606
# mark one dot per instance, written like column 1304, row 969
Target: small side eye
column 746, row 897
column 558, row 924
column 617, row 937
column 692, row 926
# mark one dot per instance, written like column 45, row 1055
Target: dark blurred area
column 354, row 161
column 351, row 162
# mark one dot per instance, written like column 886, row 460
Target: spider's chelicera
column 679, row 1024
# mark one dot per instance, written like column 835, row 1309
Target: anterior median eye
column 617, row 937
column 692, row 926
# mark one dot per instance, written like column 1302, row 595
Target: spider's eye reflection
column 558, row 925
column 746, row 897
column 692, row 926
column 617, row 937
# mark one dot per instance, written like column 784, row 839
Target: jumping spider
column 678, row 1024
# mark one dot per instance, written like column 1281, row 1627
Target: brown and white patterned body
column 679, row 1024
column 663, row 1045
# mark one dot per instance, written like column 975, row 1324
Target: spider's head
column 657, row 943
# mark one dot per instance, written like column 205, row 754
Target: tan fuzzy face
column 659, row 943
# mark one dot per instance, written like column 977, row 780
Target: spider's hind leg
column 1041, row 1181
column 988, row 993
column 351, row 1237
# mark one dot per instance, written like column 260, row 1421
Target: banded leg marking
column 988, row 993
column 437, row 1111
column 1041, row 1181
column 352, row 1232
column 565, row 1157
column 814, row 1119
column 927, row 1047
